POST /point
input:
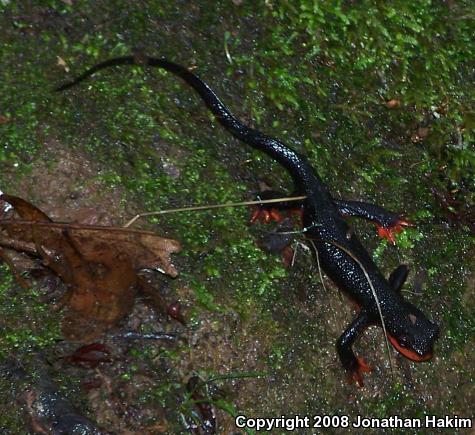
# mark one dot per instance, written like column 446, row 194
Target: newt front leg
column 387, row 222
column 355, row 366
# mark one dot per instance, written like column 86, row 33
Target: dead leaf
column 61, row 62
column 420, row 134
column 25, row 210
column 98, row 264
column 393, row 103
column 206, row 423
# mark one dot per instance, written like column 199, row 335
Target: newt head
column 412, row 334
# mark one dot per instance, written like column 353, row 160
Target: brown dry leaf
column 61, row 62
column 420, row 134
column 3, row 119
column 25, row 210
column 145, row 249
column 393, row 103
column 99, row 264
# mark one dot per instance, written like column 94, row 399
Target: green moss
column 17, row 304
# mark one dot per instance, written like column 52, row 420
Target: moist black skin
column 408, row 328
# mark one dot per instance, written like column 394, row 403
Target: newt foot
column 265, row 215
column 388, row 232
column 356, row 374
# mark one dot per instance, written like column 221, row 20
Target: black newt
column 339, row 250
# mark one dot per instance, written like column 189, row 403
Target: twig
column 237, row 376
column 138, row 336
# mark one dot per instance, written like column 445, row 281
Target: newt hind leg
column 266, row 213
column 398, row 277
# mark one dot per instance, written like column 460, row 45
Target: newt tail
column 340, row 252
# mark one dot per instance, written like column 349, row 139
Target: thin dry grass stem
column 212, row 206
column 378, row 305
